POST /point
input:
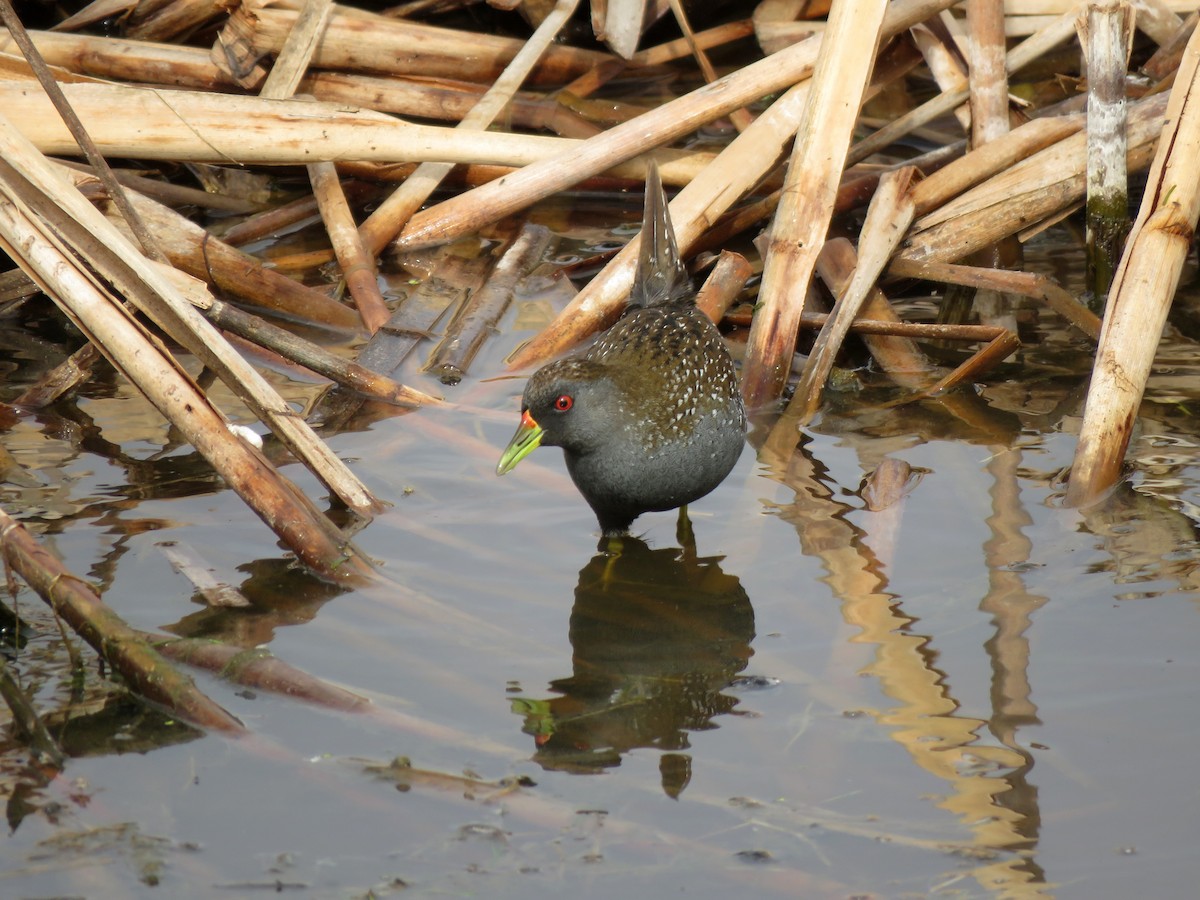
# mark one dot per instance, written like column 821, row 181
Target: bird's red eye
column 564, row 402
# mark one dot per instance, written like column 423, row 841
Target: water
column 974, row 692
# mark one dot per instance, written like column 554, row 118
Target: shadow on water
column 280, row 594
column 657, row 637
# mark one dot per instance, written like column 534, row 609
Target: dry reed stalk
column 297, row 51
column 124, row 60
column 1000, row 344
column 619, row 23
column 737, row 169
column 708, row 39
column 175, row 194
column 723, row 284
column 142, row 668
column 396, row 211
column 1142, row 292
column 488, row 203
column 439, row 99
column 1105, row 36
column 190, row 249
column 741, row 118
column 1058, row 7
column 947, row 69
column 269, row 221
column 222, row 128
column 988, row 75
column 1027, row 284
column 168, row 388
column 356, row 261
column 780, row 23
column 357, row 264
column 313, row 357
column 989, row 122
column 810, row 189
column 192, row 67
column 370, row 43
column 888, row 218
column 84, row 141
column 993, row 157
column 479, row 315
column 173, row 19
column 1033, row 189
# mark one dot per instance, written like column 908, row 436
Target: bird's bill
column 525, row 441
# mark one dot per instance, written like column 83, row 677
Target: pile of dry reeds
column 333, row 88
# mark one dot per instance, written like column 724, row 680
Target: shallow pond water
column 973, row 692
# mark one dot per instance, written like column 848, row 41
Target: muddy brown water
column 974, row 692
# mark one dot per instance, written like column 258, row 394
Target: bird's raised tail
column 661, row 279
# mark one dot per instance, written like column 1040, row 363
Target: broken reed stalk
column 50, row 246
column 1142, row 291
column 988, row 73
column 897, row 355
column 728, row 276
column 65, row 377
column 1105, row 38
column 355, row 259
column 396, row 211
column 212, row 590
column 888, row 217
column 469, row 211
column 482, row 309
column 144, row 670
column 810, row 189
column 356, row 263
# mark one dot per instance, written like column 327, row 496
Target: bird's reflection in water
column 658, row 636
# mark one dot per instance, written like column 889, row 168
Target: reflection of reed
column 987, row 789
column 657, row 635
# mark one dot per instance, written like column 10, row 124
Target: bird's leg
column 684, row 533
column 611, row 545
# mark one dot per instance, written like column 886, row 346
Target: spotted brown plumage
column 650, row 416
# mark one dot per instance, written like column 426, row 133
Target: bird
column 650, row 416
